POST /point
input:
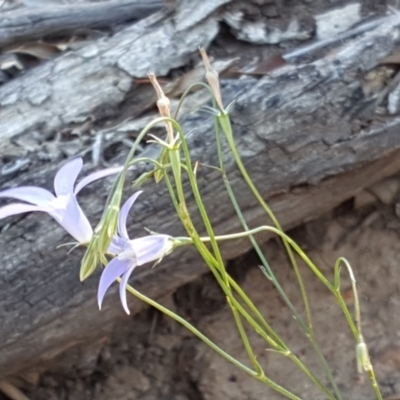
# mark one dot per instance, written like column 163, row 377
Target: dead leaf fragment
column 177, row 87
column 392, row 58
column 264, row 67
column 10, row 61
column 11, row 391
column 39, row 50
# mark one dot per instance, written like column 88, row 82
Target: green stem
column 224, row 284
column 277, row 285
column 227, row 280
column 332, row 288
column 283, row 350
column 245, row 339
column 226, row 126
column 176, row 168
column 211, row 344
column 313, row 378
column 200, row 206
column 374, row 383
column 191, row 328
column 187, row 91
column 356, row 328
column 128, row 162
column 217, row 263
column 227, row 129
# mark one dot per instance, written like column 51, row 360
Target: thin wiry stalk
column 308, row 331
column 220, row 266
column 211, row 344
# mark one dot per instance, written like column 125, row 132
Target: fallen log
column 309, row 135
column 37, row 23
column 95, row 80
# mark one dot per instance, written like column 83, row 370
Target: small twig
column 11, row 391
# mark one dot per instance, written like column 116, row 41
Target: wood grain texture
column 36, row 23
column 95, row 80
column 295, row 132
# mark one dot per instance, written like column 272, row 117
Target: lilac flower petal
column 150, row 248
column 73, row 220
column 65, row 178
column 18, row 208
column 117, row 245
column 122, row 287
column 30, row 194
column 123, row 215
column 114, row 269
column 95, row 176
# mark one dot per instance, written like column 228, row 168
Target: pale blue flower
column 63, row 207
column 129, row 254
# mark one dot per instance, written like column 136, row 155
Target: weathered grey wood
column 94, row 80
column 295, row 131
column 36, row 23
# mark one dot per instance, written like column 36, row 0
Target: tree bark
column 308, row 134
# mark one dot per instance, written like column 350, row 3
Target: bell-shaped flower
column 62, row 206
column 129, row 254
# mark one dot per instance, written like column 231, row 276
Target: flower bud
column 212, row 78
column 362, row 357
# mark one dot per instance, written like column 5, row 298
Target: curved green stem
column 175, row 163
column 224, row 120
column 304, row 257
column 211, row 344
column 187, row 91
column 218, row 263
column 245, row 339
column 190, row 327
column 356, row 328
column 225, row 123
